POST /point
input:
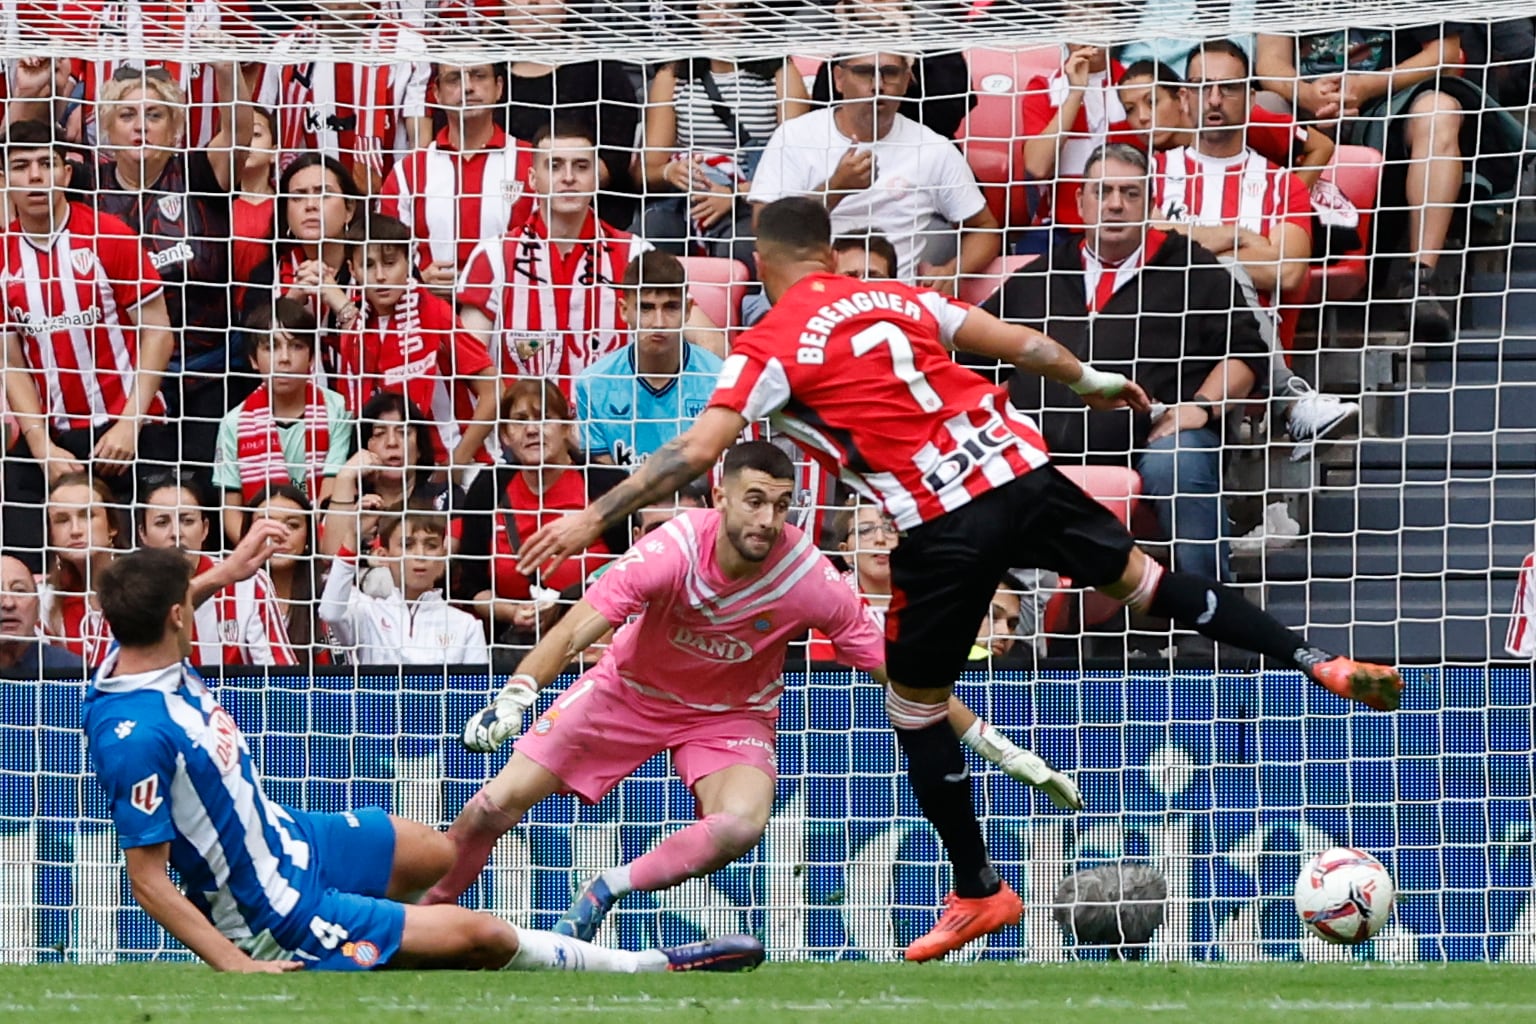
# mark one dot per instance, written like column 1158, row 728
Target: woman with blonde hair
column 179, row 202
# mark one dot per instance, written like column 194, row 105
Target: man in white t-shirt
column 879, row 171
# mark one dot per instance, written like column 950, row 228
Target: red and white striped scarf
column 389, row 353
column 260, row 449
column 1520, row 640
column 223, row 622
column 563, row 312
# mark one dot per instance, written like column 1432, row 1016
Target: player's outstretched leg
column 734, row 803
column 490, row 814
column 454, row 937
column 941, row 781
column 1222, row 614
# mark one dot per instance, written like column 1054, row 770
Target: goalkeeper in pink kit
column 719, row 594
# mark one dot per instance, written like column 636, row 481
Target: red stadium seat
column 718, row 286
column 978, row 288
column 1117, row 489
column 991, row 135
column 1356, row 170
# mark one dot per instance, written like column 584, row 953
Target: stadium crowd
column 409, row 312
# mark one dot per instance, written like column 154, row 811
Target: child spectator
column 392, row 470
column 290, row 429
column 409, row 341
column 539, row 483
column 411, row 624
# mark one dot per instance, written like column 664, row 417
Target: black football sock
column 1224, row 615
column 942, row 782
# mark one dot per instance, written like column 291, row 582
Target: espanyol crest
column 170, row 206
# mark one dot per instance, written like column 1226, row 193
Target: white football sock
column 617, row 880
column 546, row 951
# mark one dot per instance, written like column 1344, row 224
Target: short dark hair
column 656, row 270
column 565, row 126
column 139, row 589
column 1226, row 46
column 288, row 315
column 763, row 456
column 1163, row 76
column 796, row 225
column 378, row 229
column 874, row 244
column 411, row 520
column 1124, row 151
column 34, row 134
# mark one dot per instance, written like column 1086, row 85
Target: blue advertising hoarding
column 1224, row 782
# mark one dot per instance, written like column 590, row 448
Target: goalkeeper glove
column 488, row 729
column 1018, row 763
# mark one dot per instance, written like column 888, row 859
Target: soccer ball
column 1344, row 895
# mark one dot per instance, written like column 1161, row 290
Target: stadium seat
column 1117, row 489
column 978, row 288
column 718, row 286
column 1356, row 170
column 991, row 135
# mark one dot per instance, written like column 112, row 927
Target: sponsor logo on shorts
column 543, row 726
column 351, row 819
column 364, row 954
column 711, row 646
column 752, row 741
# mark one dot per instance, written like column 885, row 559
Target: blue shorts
column 351, row 927
column 354, row 850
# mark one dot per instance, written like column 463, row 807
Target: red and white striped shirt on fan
column 241, row 624
column 860, row 373
column 68, row 302
column 452, row 200
column 355, row 112
column 1245, row 190
column 553, row 313
column 421, row 351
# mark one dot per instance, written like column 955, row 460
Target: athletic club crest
column 511, row 190
column 170, row 206
column 229, row 631
column 82, row 260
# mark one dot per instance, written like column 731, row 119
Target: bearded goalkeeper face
column 753, row 505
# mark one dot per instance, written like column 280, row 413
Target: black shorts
column 944, row 572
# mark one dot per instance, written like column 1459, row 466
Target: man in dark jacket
column 1166, row 313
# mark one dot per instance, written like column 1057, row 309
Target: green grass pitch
column 841, row 993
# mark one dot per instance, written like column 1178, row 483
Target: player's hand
column 263, row 538
column 488, row 729
column 1177, row 418
column 551, row 545
column 266, row 967
column 855, row 171
column 1128, row 396
column 116, row 448
column 1034, row 771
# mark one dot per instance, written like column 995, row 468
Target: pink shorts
column 600, row 731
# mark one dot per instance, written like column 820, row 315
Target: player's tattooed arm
column 679, row 461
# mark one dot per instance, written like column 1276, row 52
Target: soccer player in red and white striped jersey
column 544, row 298
column 87, row 335
column 470, row 185
column 365, row 114
column 408, row 340
column 861, row 372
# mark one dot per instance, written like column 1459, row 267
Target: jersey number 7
column 903, row 361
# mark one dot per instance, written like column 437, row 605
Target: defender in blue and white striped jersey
column 270, row 888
